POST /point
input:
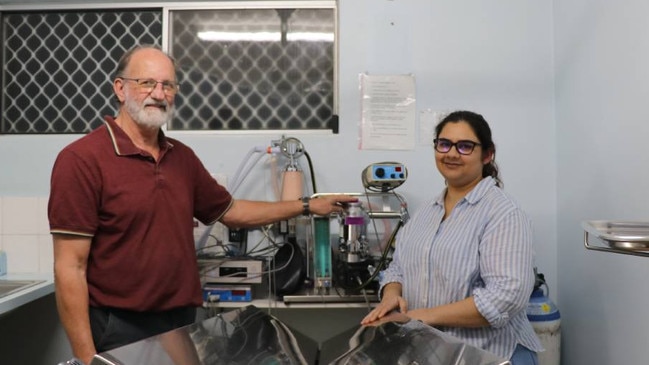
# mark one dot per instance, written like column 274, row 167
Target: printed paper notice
column 387, row 112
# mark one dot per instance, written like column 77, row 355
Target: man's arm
column 70, row 261
column 248, row 213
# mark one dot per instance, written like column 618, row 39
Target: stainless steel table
column 251, row 336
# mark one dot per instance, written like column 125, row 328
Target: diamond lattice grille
column 253, row 85
column 57, row 66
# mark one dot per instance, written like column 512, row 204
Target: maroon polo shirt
column 139, row 213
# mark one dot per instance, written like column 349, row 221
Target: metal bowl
column 621, row 235
column 625, row 245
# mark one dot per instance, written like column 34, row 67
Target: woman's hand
column 387, row 305
column 393, row 316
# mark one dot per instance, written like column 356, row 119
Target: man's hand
column 327, row 204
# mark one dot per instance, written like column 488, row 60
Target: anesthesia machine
column 310, row 258
column 344, row 253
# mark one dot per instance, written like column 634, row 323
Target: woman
column 464, row 262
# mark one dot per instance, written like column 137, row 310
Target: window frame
column 168, row 7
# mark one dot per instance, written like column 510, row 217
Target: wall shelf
column 623, row 237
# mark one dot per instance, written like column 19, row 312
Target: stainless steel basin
column 8, row 287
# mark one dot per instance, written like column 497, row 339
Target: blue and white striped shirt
column 482, row 249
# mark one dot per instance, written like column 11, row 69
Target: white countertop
column 31, row 293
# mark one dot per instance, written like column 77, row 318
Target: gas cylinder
column 546, row 321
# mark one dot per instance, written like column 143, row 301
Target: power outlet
column 236, row 235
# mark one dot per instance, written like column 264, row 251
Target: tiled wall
column 24, row 234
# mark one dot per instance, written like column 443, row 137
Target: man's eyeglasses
column 148, row 85
column 444, row 145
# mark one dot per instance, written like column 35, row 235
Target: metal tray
column 619, row 236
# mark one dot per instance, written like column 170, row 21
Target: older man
column 123, row 199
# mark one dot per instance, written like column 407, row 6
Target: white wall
column 602, row 89
column 24, row 234
column 492, row 57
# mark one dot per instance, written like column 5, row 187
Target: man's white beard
column 149, row 117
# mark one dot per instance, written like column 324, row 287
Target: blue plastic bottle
column 3, row 262
column 545, row 318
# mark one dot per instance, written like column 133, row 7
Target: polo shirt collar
column 122, row 142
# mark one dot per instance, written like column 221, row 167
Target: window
column 254, row 68
column 57, row 67
column 248, row 68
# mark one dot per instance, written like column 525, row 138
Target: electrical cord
column 311, row 173
column 364, row 292
column 226, row 248
column 383, row 259
column 245, row 167
column 266, row 236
